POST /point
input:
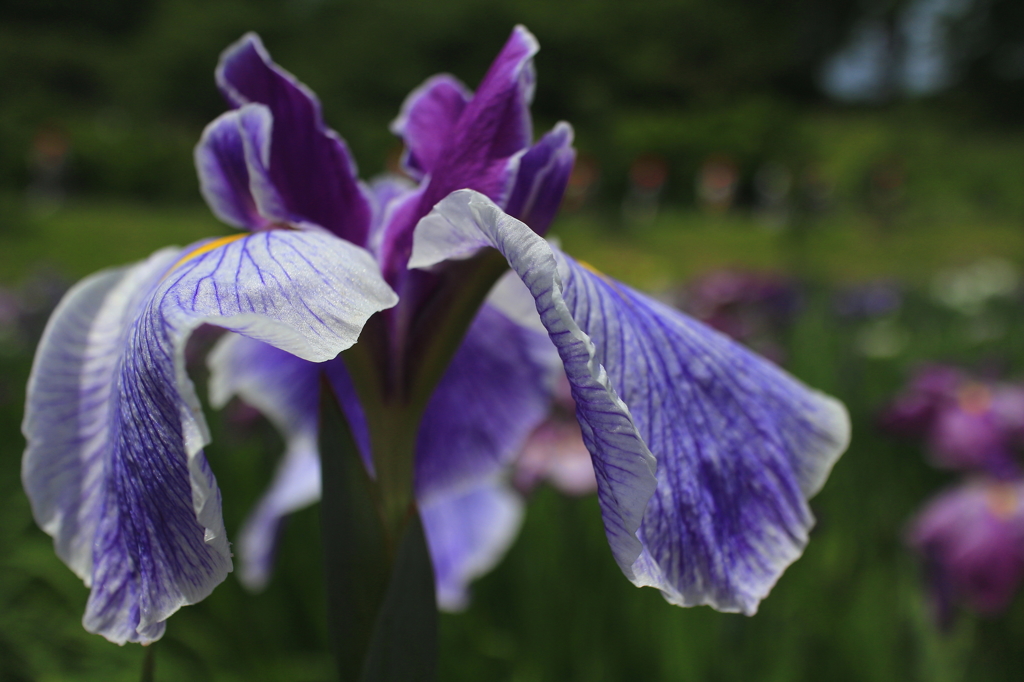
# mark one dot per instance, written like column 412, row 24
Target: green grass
column 840, row 247
column 85, row 236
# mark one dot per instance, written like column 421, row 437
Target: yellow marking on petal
column 1002, row 500
column 974, row 398
column 205, row 248
column 587, row 266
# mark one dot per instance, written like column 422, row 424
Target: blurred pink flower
column 555, row 451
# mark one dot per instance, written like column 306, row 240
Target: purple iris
column 704, row 454
column 972, row 541
column 969, row 424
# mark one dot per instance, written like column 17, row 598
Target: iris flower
column 968, row 424
column 971, row 538
column 704, row 454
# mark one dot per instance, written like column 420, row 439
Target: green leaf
column 380, row 583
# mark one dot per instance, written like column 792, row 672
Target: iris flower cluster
column 971, row 537
column 442, row 321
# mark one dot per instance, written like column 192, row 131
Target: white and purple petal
column 739, row 444
column 114, row 466
column 309, row 165
column 468, row 532
column 220, row 160
column 286, row 390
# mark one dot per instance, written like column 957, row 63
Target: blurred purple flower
column 968, row 424
column 866, row 301
column 753, row 308
column 971, row 539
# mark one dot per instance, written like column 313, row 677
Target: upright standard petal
column 427, row 121
column 224, row 175
column 541, row 179
column 740, row 445
column 309, row 164
column 480, row 150
column 114, row 465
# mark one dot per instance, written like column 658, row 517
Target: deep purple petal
column 541, row 180
column 309, row 165
column 114, row 466
column 481, row 152
column 739, row 444
column 427, row 121
column 223, row 176
column 468, row 531
column 495, row 392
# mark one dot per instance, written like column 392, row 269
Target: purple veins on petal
column 223, row 173
column 114, row 466
column 739, row 444
column 309, row 164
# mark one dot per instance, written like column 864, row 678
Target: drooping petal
column 541, row 179
column 740, row 445
column 223, row 175
column 286, row 390
column 427, row 121
column 114, row 465
column 468, row 532
column 309, row 164
column 496, row 390
column 481, row 152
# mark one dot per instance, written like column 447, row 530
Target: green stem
column 148, row 664
column 380, row 584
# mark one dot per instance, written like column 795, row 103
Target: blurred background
column 840, row 185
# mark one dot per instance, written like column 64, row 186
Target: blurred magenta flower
column 968, row 424
column 972, row 541
column 704, row 454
